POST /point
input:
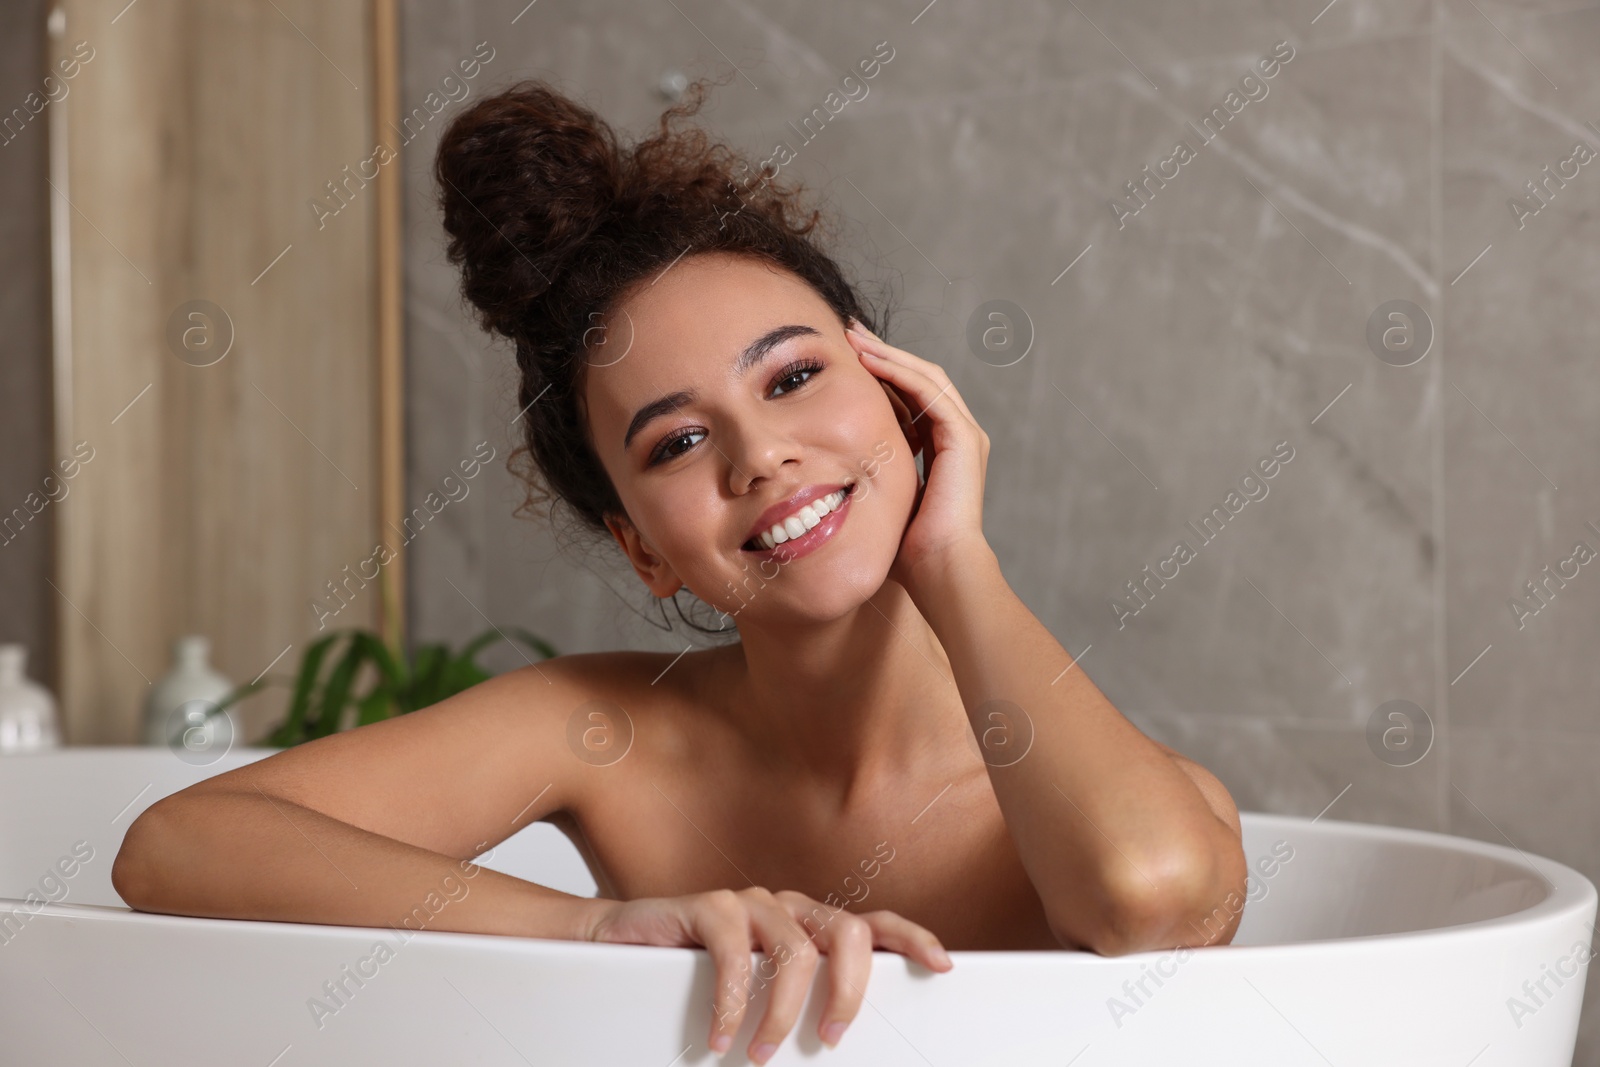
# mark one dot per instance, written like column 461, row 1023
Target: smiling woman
column 749, row 409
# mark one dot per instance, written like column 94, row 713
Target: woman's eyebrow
column 753, row 353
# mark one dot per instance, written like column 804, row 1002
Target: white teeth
column 805, row 519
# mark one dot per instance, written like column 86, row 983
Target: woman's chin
column 815, row 590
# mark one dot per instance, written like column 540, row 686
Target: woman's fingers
column 793, row 930
column 935, row 383
column 925, row 391
column 846, row 938
column 721, row 923
column 902, row 414
column 925, row 394
column 729, row 923
column 931, row 372
column 788, row 968
column 899, row 934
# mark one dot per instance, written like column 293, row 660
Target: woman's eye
column 803, row 374
column 665, row 450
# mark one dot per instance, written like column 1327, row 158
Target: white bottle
column 181, row 709
column 27, row 710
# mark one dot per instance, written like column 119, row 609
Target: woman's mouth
column 805, row 531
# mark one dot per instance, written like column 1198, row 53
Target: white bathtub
column 1370, row 946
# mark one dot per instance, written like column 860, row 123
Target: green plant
column 323, row 699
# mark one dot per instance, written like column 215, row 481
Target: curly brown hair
column 552, row 221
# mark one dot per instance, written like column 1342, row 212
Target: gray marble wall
column 1174, row 347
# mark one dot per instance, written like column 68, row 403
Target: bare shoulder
column 463, row 774
column 659, row 693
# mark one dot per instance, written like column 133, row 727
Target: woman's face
column 720, row 391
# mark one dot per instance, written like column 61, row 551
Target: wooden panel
column 390, row 283
column 226, row 496
column 27, row 520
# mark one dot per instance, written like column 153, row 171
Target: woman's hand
column 730, row 923
column 948, row 512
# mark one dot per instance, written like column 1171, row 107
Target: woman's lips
column 812, row 539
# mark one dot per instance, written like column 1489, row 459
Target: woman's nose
column 757, row 450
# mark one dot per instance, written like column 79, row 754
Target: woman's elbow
column 1193, row 897
column 132, row 872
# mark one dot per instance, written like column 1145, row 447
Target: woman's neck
column 867, row 698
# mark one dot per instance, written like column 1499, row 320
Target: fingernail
column 763, row 1052
column 833, row 1032
column 721, row 1043
column 942, row 956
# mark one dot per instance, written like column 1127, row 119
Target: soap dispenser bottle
column 27, row 710
column 181, row 710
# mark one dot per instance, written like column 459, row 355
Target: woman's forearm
column 247, row 855
column 1124, row 849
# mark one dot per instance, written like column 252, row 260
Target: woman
column 699, row 381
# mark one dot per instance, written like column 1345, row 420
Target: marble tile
column 1521, row 412
column 1018, row 45
column 1306, row 769
column 1171, row 33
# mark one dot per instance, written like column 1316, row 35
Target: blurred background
column 1373, row 260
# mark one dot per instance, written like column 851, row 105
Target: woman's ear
column 654, row 571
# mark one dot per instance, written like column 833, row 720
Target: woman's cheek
column 888, row 483
column 691, row 543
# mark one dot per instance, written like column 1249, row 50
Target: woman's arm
column 376, row 826
column 229, row 854
column 1157, row 835
column 1128, row 845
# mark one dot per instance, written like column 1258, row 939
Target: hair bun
column 525, row 178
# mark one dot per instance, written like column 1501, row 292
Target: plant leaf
column 403, row 683
column 392, row 668
column 375, row 706
column 336, row 693
column 426, row 675
column 292, row 729
column 462, row 671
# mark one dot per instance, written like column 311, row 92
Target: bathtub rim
column 1570, row 896
column 1570, row 890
